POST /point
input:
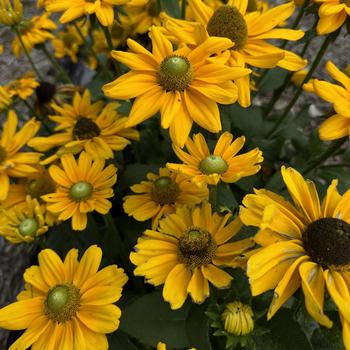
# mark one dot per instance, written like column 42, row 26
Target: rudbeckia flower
column 66, row 304
column 183, row 84
column 23, row 87
column 160, row 195
column 5, row 98
column 82, row 187
column 223, row 164
column 336, row 126
column 304, row 245
column 185, row 252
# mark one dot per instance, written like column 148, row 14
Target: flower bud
column 10, row 12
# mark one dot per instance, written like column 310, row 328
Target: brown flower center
column 175, row 73
column 69, row 40
column 196, row 247
column 3, row 154
column 39, row 187
column 164, row 191
column 327, row 241
column 228, row 22
column 85, row 129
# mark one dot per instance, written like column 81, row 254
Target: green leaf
column 150, row 320
column 273, row 79
column 249, row 120
column 172, row 8
column 225, row 197
column 119, row 340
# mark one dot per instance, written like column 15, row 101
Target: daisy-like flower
column 99, row 136
column 14, row 163
column 160, row 195
column 73, row 9
column 33, row 32
column 82, row 187
column 23, row 87
column 305, row 245
column 333, row 14
column 183, row 84
column 223, row 164
column 249, row 31
column 5, row 98
column 11, row 12
column 23, row 223
column 66, row 304
column 336, row 126
column 185, row 252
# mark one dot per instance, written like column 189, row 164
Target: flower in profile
column 160, row 195
column 248, row 31
column 332, row 15
column 306, row 244
column 14, row 163
column 23, row 223
column 185, row 252
column 82, row 187
column 223, row 164
column 11, row 12
column 336, row 126
column 183, row 84
column 5, row 99
column 23, row 87
column 66, row 304
column 73, row 9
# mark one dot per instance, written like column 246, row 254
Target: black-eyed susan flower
column 83, row 186
column 160, row 195
column 66, row 304
column 73, row 9
column 336, row 126
column 5, row 99
column 248, row 31
column 14, row 163
column 183, row 85
column 306, row 244
column 35, row 31
column 223, row 164
column 80, row 127
column 23, row 87
column 23, row 223
column 11, row 12
column 185, row 252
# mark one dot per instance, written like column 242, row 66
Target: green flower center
column 85, row 129
column 165, row 191
column 62, row 302
column 81, row 191
column 327, row 241
column 3, row 154
column 228, row 22
column 39, row 187
column 175, row 73
column 152, row 9
column 28, row 227
column 213, row 165
column 196, row 247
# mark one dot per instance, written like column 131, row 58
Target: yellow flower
column 160, row 195
column 238, row 318
column 333, row 14
column 10, row 12
column 99, row 135
column 299, row 76
column 66, row 304
column 1, row 49
column 305, row 245
column 23, row 87
column 12, row 162
column 5, row 98
column 336, row 126
column 82, row 187
column 202, row 166
column 183, row 84
column 185, row 252
column 248, row 31
column 33, row 32
column 73, row 9
column 23, row 223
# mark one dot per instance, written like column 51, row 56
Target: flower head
column 11, row 12
column 66, row 304
column 82, row 187
column 5, row 98
column 183, row 84
column 303, row 245
column 23, row 87
column 185, row 252
column 160, row 195
column 202, row 166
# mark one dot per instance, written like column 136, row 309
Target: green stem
column 32, row 111
column 315, row 64
column 183, row 9
column 27, row 53
column 213, row 192
column 57, row 66
column 159, row 5
column 339, row 165
column 324, row 156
